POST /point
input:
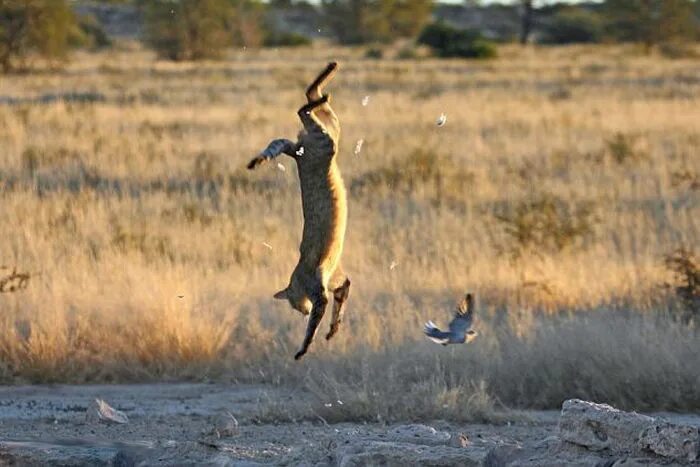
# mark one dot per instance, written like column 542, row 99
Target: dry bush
column 14, row 281
column 685, row 267
column 421, row 170
column 622, row 149
column 546, row 224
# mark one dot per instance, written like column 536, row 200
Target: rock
column 62, row 452
column 222, row 460
column 548, row 442
column 676, row 442
column 100, row 411
column 633, row 462
column 418, row 434
column 391, row 454
column 459, row 440
column 508, row 455
column 225, row 425
column 501, row 456
column 600, row 426
column 124, row 458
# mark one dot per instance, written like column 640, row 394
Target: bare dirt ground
column 172, row 424
column 175, row 424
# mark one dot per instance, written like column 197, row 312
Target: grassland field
column 560, row 182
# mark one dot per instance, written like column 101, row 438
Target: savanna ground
column 556, row 189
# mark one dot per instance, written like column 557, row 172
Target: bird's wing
column 460, row 324
column 463, row 317
column 435, row 334
column 274, row 149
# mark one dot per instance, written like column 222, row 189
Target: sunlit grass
column 561, row 180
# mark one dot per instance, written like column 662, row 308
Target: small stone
column 418, row 434
column 225, row 425
column 459, row 440
column 678, row 442
column 100, row 411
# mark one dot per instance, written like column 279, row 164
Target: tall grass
column 559, row 184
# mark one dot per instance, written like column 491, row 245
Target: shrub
column 374, row 52
column 545, row 223
column 447, row 41
column 685, row 267
column 573, row 25
column 678, row 50
column 621, row 148
column 188, row 29
column 407, row 53
column 364, row 21
column 42, row 26
column 422, row 169
column 89, row 33
column 286, row 39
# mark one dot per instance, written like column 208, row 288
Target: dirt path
column 173, row 424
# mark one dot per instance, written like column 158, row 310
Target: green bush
column 366, row 21
column 447, row 41
column 41, row 26
column 407, row 53
column 89, row 33
column 573, row 25
column 376, row 53
column 286, row 39
column 188, row 29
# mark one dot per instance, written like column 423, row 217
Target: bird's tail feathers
column 435, row 334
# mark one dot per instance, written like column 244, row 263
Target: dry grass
column 559, row 183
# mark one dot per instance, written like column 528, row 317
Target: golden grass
column 121, row 206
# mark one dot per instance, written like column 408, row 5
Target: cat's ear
column 282, row 295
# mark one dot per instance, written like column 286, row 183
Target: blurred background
column 563, row 190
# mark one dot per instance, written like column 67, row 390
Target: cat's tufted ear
column 281, row 295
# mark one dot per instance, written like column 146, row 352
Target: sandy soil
column 175, row 424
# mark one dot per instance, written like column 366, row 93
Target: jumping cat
column 324, row 203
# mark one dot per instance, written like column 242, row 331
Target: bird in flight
column 460, row 330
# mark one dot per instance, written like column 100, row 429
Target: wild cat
column 324, row 203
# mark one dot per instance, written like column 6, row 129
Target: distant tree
column 188, row 29
column 42, row 26
column 246, row 23
column 651, row 22
column 572, row 25
column 526, row 19
column 448, row 41
column 89, row 34
column 408, row 17
column 347, row 19
column 361, row 21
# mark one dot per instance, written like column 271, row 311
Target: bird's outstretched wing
column 274, row 149
column 435, row 334
column 464, row 317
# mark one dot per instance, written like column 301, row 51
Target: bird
column 459, row 328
